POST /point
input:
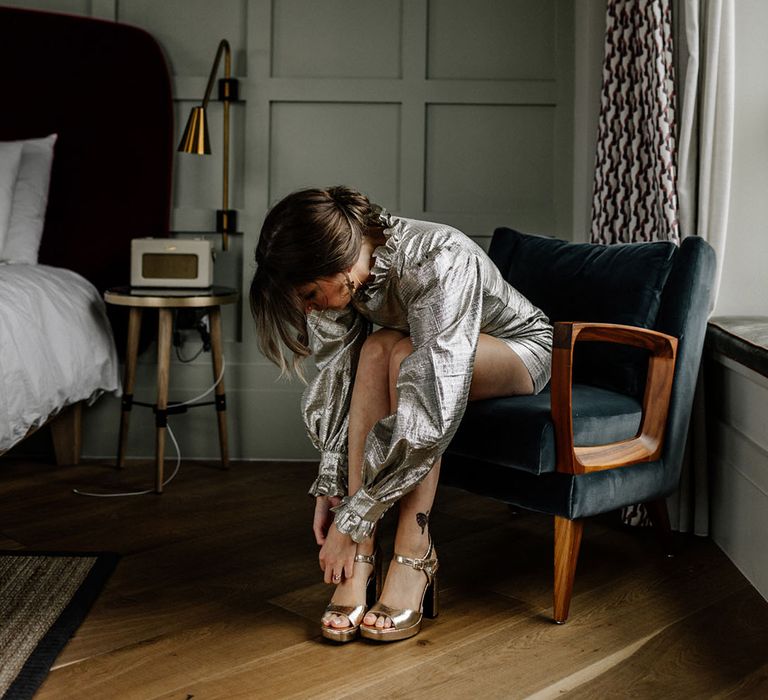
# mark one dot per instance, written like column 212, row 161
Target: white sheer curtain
column 705, row 44
column 706, row 60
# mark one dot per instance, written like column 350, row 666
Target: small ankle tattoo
column 422, row 520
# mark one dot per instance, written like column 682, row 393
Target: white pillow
column 10, row 157
column 30, row 198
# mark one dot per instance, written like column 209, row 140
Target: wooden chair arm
column 646, row 446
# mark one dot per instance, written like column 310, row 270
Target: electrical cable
column 173, row 440
column 188, row 359
column 140, row 493
column 209, row 389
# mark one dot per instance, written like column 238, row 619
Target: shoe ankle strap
column 427, row 565
column 366, row 558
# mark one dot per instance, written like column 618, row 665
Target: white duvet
column 56, row 346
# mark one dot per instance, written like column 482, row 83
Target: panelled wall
column 445, row 110
column 438, row 109
column 737, row 402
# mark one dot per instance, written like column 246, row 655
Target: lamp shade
column 195, row 138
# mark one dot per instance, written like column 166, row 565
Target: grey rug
column 44, row 596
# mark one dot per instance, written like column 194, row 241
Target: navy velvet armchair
column 610, row 428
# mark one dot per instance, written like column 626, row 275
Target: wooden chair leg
column 659, row 514
column 66, row 431
column 567, row 542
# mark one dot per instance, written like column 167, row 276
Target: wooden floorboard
column 713, row 648
column 218, row 593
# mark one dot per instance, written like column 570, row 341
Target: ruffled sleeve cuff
column 332, row 475
column 357, row 515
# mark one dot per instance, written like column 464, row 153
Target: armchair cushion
column 517, row 432
column 589, row 282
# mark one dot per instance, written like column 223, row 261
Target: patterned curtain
column 635, row 195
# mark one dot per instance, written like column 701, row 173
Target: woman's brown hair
column 309, row 234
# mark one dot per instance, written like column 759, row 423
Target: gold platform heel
column 355, row 613
column 407, row 623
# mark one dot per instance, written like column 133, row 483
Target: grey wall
column 476, row 114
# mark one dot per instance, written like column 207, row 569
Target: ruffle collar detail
column 383, row 256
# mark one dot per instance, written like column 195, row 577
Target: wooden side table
column 165, row 300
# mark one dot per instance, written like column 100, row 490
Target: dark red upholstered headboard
column 104, row 88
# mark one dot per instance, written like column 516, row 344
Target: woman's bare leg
column 370, row 398
column 498, row 371
column 369, row 404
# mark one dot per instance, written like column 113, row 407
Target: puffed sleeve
column 335, row 338
column 443, row 295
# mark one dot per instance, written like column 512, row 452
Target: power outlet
column 188, row 321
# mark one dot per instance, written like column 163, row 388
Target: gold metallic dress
column 435, row 284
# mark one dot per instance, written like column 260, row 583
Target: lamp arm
column 223, row 48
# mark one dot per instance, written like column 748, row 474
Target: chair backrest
column 589, row 282
column 652, row 285
column 685, row 307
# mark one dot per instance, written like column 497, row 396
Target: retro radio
column 171, row 262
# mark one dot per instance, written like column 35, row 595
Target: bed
column 103, row 90
column 56, row 350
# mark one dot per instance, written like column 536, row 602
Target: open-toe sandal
column 405, row 622
column 355, row 613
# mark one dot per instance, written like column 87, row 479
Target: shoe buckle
column 427, row 565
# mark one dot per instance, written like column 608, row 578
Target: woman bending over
column 385, row 404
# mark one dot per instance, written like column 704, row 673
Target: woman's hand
column 337, row 556
column 323, row 516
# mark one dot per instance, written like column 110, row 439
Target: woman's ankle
column 367, row 546
column 412, row 538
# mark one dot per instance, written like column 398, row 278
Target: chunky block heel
column 431, row 600
column 374, row 585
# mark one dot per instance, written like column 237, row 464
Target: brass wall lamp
column 195, row 138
